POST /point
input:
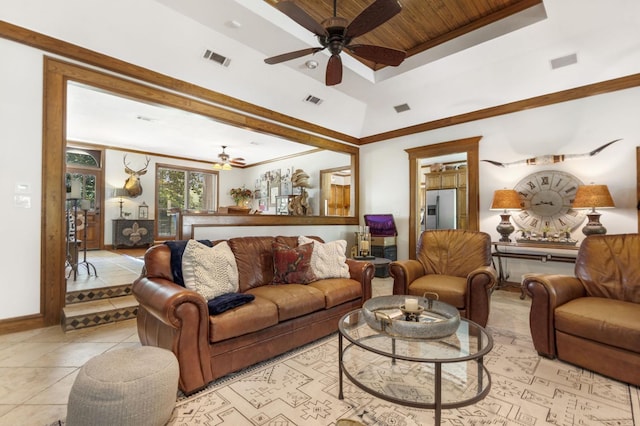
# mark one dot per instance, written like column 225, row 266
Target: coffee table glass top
column 470, row 341
column 436, row 373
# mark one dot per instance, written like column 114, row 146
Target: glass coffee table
column 437, row 373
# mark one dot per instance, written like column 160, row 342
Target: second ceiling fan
column 335, row 34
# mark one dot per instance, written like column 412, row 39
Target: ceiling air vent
column 312, row 99
column 216, row 57
column 401, row 108
column 564, row 61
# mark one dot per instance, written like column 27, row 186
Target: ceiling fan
column 335, row 34
column 226, row 162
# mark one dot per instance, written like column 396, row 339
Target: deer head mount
column 132, row 184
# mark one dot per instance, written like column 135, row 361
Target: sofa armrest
column 547, row 292
column 363, row 272
column 404, row 272
column 177, row 319
column 480, row 284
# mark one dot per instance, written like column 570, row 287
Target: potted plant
column 241, row 196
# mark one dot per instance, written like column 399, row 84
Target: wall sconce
column 505, row 199
column 592, row 196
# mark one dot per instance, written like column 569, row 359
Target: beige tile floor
column 112, row 269
column 38, row 367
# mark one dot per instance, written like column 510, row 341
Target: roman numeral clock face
column 546, row 198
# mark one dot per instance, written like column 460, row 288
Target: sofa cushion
column 210, row 271
column 224, row 302
column 449, row 289
column 338, row 290
column 609, row 321
column 328, row 260
column 254, row 257
column 292, row 265
column 245, row 319
column 177, row 249
column 292, row 300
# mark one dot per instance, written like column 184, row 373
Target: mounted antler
column 132, row 184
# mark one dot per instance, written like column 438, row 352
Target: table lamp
column 505, row 199
column 592, row 196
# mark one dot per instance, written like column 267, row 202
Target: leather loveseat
column 592, row 319
column 280, row 318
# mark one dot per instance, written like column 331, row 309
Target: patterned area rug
column 301, row 388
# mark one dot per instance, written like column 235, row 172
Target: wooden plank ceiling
column 422, row 24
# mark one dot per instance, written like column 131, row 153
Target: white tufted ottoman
column 133, row 386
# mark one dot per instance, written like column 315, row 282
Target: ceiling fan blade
column 301, row 17
column 292, row 55
column 378, row 54
column 378, row 12
column 237, row 161
column 334, row 71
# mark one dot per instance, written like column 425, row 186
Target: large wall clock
column 546, row 199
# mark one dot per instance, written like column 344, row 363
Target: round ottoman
column 133, row 386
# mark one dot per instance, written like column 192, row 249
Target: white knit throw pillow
column 210, row 271
column 328, row 260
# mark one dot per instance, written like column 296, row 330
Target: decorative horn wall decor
column 550, row 159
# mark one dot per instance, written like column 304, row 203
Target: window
column 181, row 189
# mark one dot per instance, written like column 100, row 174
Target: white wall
column 569, row 128
column 20, row 163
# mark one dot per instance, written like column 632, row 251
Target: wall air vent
column 564, row 61
column 216, row 57
column 312, row 99
column 402, row 108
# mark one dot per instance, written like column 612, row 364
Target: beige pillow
column 328, row 260
column 210, row 271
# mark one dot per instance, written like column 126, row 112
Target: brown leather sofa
column 592, row 319
column 280, row 318
column 454, row 264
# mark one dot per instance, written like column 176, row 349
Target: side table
column 381, row 264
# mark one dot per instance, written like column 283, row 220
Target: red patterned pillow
column 292, row 265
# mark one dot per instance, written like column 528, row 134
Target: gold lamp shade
column 505, row 199
column 592, row 196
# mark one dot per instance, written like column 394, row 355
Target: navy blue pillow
column 177, row 249
column 224, row 302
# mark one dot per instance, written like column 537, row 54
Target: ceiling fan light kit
column 335, row 35
column 227, row 162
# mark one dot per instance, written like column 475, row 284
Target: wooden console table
column 531, row 251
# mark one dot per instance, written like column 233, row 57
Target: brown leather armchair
column 456, row 265
column 592, row 319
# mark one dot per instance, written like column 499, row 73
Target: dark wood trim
column 86, row 56
column 594, row 89
column 470, row 147
column 15, row 325
column 638, row 185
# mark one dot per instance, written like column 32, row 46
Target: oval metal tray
column 386, row 314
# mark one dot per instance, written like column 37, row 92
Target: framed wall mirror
column 451, row 165
column 58, row 73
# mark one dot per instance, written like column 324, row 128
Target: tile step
column 96, row 312
column 87, row 295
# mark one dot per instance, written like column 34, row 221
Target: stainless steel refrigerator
column 440, row 209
